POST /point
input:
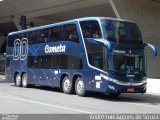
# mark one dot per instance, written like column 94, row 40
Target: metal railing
column 2, row 64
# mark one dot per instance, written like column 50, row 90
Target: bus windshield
column 129, row 62
column 125, row 62
column 118, row 31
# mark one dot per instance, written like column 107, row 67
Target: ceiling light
column 1, row 0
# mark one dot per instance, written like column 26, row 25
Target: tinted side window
column 33, row 37
column 70, row 33
column 63, row 61
column 46, row 62
column 29, row 37
column 30, row 62
column 90, row 29
column 96, row 56
column 55, row 62
column 70, row 62
column 23, row 35
column 10, row 41
column 98, row 59
column 55, row 34
column 49, row 62
column 43, row 36
column 74, row 63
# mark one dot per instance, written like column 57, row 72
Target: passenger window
column 29, row 37
column 70, row 33
column 56, row 33
column 30, row 62
column 55, row 62
column 74, row 62
column 96, row 56
column 35, row 61
column 90, row 29
column 33, row 37
column 38, row 34
column 22, row 35
column 10, row 41
column 63, row 61
column 43, row 38
column 98, row 60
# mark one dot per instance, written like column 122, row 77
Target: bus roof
column 69, row 21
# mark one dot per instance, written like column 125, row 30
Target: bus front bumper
column 112, row 85
column 126, row 87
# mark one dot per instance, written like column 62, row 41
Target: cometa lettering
column 55, row 49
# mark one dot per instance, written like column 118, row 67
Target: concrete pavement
column 49, row 103
column 153, row 86
column 43, row 100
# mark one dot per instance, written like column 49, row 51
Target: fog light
column 111, row 87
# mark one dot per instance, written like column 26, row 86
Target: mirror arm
column 153, row 48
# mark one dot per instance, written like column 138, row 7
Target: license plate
column 130, row 90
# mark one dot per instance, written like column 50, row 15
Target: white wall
column 146, row 14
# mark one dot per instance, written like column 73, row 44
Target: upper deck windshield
column 118, row 31
column 112, row 30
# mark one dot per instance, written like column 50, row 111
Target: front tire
column 67, row 85
column 80, row 87
column 18, row 81
column 24, row 80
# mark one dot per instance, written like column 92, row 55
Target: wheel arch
column 15, row 74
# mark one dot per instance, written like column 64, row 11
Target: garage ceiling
column 35, row 8
column 49, row 11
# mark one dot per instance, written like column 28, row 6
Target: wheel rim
column 80, row 86
column 24, row 80
column 18, row 80
column 67, row 85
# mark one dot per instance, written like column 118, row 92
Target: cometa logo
column 55, row 49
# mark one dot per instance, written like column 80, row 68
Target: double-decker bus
column 97, row 54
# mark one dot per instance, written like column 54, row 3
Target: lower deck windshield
column 132, row 62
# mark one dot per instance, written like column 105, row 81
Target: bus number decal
column 20, row 50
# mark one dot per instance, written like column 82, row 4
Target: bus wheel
column 66, row 85
column 80, row 87
column 18, row 81
column 24, row 80
column 115, row 94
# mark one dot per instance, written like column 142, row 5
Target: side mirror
column 153, row 48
